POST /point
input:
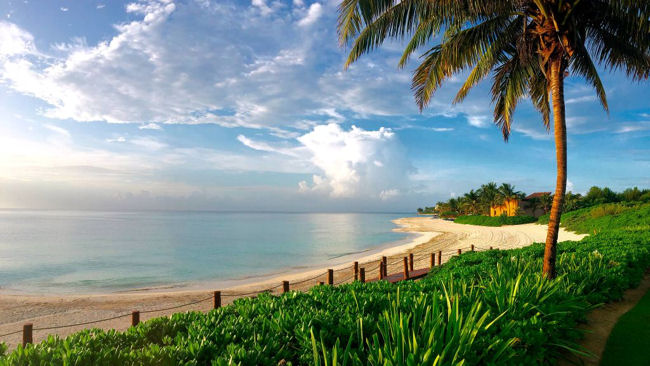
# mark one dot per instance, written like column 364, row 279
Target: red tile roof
column 537, row 194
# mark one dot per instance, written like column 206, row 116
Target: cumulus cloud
column 356, row 162
column 167, row 66
column 15, row 41
column 150, row 126
column 478, row 121
column 314, row 12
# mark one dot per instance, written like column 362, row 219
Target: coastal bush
column 490, row 307
column 605, row 217
column 494, row 220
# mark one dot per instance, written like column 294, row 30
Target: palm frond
column 511, row 82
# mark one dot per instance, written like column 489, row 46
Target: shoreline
column 429, row 235
column 295, row 273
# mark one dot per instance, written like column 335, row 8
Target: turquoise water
column 72, row 252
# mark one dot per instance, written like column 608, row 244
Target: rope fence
column 359, row 273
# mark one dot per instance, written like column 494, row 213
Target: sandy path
column 432, row 235
column 601, row 322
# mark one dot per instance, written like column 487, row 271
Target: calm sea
column 67, row 251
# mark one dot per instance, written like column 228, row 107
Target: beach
column 428, row 235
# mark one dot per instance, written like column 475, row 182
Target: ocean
column 63, row 252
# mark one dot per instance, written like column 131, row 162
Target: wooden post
column 432, row 263
column 459, row 251
column 285, row 287
column 472, row 247
column 381, row 270
column 330, row 276
column 385, row 260
column 321, row 283
column 356, row 271
column 362, row 275
column 27, row 333
column 406, row 268
column 135, row 318
column 439, row 257
column 216, row 301
column 491, row 248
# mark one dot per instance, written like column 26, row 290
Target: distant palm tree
column 528, row 46
column 454, row 204
column 534, row 204
column 508, row 192
column 571, row 201
column 547, row 202
column 489, row 196
column 472, row 202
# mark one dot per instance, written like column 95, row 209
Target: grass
column 629, row 342
column 605, row 217
column 494, row 220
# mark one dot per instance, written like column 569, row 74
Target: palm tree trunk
column 559, row 122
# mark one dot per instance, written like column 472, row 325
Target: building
column 528, row 208
column 510, row 206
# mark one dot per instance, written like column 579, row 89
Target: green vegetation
column 629, row 340
column 476, row 201
column 606, row 217
column 491, row 307
column 598, row 196
column 495, row 220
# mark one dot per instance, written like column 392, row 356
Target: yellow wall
column 509, row 208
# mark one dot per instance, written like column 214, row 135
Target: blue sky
column 244, row 105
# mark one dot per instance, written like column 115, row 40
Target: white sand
column 430, row 235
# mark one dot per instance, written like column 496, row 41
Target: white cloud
column 117, row 139
column 569, row 186
column 538, row 133
column 634, row 127
column 57, row 129
column 64, row 9
column 314, row 12
column 356, row 162
column 151, row 126
column 477, row 121
column 150, row 71
column 582, row 99
column 15, row 41
column 262, row 6
column 388, row 194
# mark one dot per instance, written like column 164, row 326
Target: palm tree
column 534, row 204
column 489, row 196
column 571, row 201
column 508, row 192
column 547, row 202
column 528, row 46
column 453, row 204
column 472, row 202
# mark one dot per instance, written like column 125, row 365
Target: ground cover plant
column 494, row 220
column 606, row 217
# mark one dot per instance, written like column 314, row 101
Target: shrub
column 605, row 217
column 494, row 220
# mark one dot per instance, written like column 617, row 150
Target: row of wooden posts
column 359, row 275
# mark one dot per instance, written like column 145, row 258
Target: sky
column 245, row 105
